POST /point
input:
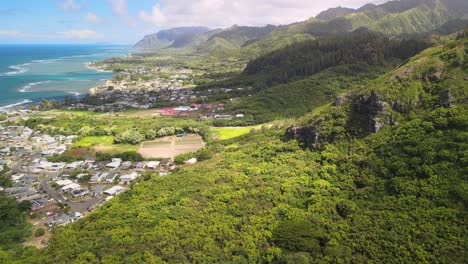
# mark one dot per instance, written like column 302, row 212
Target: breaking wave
column 7, row 107
column 27, row 87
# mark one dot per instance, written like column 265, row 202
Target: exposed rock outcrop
column 367, row 114
column 446, row 99
column 376, row 111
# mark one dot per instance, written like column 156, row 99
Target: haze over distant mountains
column 392, row 18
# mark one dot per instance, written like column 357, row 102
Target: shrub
column 39, row 232
column 131, row 137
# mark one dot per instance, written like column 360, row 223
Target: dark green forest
column 13, row 226
column 306, row 58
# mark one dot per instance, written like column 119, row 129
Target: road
column 75, row 206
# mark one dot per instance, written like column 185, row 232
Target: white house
column 129, row 177
column 63, row 182
column 57, row 166
column 74, row 165
column 114, row 164
column 114, row 190
column 111, row 177
column 191, row 161
column 98, row 177
column 152, row 165
column 71, row 187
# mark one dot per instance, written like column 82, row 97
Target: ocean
column 30, row 73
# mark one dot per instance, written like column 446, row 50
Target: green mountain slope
column 379, row 176
column 174, row 38
column 392, row 18
column 333, row 13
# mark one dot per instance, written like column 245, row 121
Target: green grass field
column 87, row 142
column 104, row 144
column 231, row 132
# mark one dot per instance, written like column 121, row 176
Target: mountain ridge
column 392, row 18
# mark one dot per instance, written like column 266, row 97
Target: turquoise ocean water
column 29, row 73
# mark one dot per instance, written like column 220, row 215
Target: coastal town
column 60, row 193
column 181, row 102
column 171, row 94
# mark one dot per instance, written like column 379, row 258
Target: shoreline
column 25, row 103
column 89, row 65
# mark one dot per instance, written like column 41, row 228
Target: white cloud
column 224, row 13
column 92, row 18
column 120, row 8
column 156, row 17
column 79, row 34
column 11, row 33
column 69, row 5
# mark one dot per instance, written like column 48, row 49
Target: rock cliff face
column 365, row 114
column 308, row 136
column 375, row 110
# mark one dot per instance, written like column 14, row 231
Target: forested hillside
column 377, row 177
column 306, row 58
column 13, row 226
column 298, row 78
column 392, row 18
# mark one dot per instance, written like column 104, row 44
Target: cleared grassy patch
column 103, row 144
column 231, row 132
column 115, row 148
column 87, row 142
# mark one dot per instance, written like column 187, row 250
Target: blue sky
column 78, row 21
column 127, row 21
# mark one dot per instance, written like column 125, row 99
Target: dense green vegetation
column 65, row 157
column 397, row 194
column 306, row 58
column 5, row 178
column 273, row 201
column 13, row 226
column 377, row 176
column 296, row 98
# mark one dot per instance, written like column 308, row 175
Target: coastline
column 93, row 90
column 90, row 65
column 25, row 103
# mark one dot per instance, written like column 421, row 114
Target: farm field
column 170, row 147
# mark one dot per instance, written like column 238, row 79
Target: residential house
column 110, row 178
column 114, row 190
column 191, row 161
column 126, row 165
column 115, row 164
column 71, row 187
column 129, row 177
column 165, row 162
column 152, row 165
column 57, row 220
column 140, row 166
